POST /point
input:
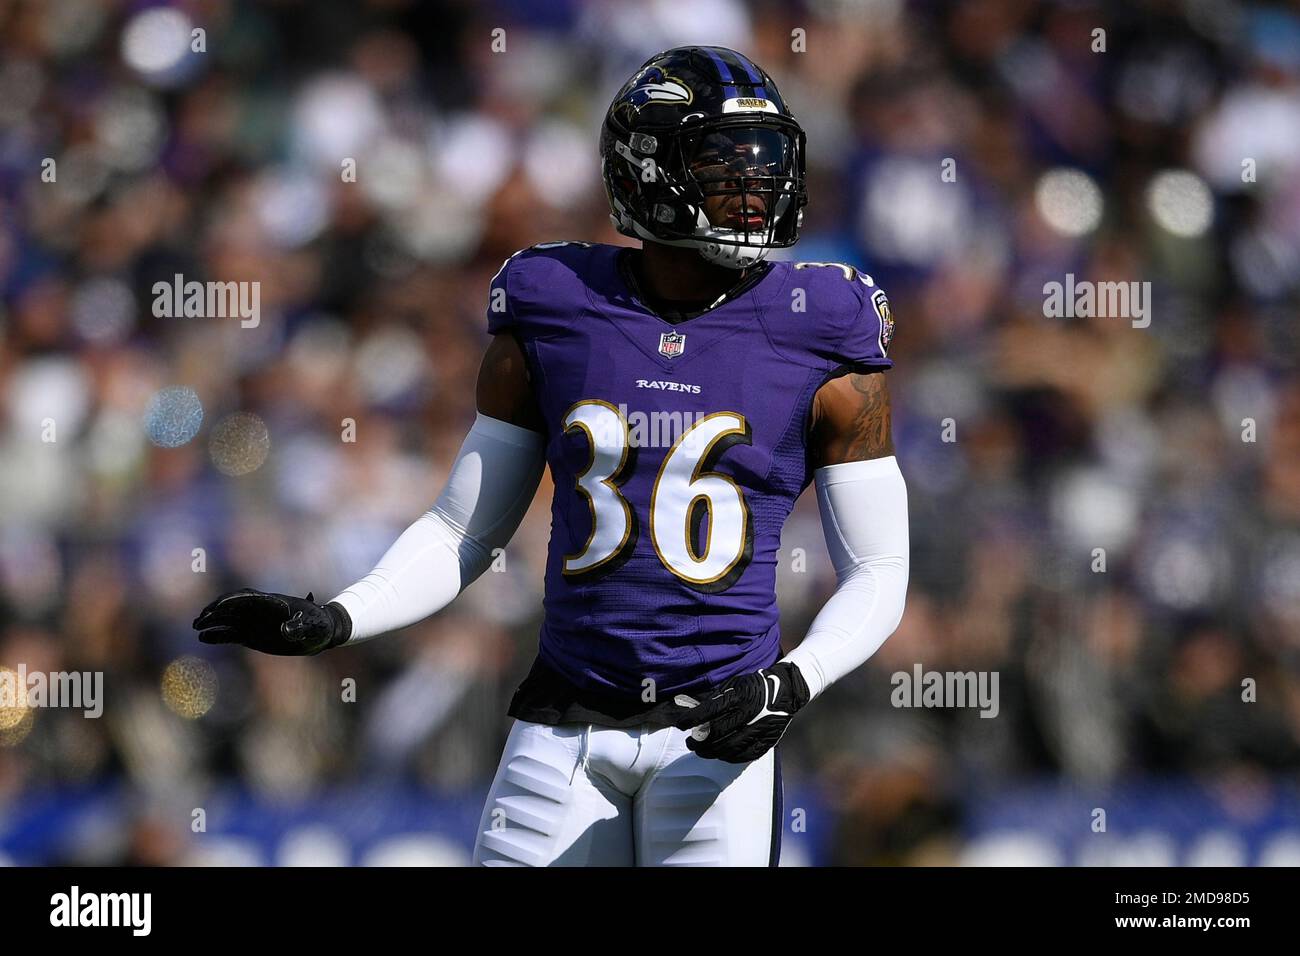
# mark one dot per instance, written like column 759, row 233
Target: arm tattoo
column 853, row 420
column 869, row 435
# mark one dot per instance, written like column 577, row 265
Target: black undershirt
column 545, row 697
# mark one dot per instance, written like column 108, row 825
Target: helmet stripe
column 724, row 74
column 740, row 63
column 748, row 66
column 755, row 75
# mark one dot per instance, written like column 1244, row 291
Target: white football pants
column 577, row 795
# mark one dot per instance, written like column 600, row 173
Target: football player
column 683, row 394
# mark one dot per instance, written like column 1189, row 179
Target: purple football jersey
column 677, row 452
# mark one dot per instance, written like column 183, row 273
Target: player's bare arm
column 504, row 391
column 851, row 420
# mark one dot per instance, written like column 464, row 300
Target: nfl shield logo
column 672, row 344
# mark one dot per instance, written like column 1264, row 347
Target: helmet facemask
column 731, row 188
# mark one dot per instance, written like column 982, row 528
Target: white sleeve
column 491, row 485
column 864, row 518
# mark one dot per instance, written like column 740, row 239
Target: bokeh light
column 1180, row 203
column 1069, row 201
column 173, row 416
column 239, row 444
column 189, row 687
column 156, row 40
column 16, row 717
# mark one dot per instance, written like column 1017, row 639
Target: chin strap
column 717, row 253
column 732, row 257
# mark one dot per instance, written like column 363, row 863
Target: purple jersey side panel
column 677, row 453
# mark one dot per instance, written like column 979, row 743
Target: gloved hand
column 273, row 623
column 743, row 718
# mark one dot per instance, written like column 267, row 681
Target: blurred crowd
column 1107, row 516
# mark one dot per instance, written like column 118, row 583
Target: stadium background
column 1119, row 690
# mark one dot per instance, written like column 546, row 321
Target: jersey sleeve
column 852, row 323
column 867, row 329
column 538, row 290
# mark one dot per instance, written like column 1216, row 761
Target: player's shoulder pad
column 848, row 320
column 536, row 282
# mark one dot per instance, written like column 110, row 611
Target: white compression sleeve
column 864, row 518
column 491, row 485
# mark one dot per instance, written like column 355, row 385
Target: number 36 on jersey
column 698, row 522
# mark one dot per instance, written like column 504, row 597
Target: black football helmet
column 699, row 149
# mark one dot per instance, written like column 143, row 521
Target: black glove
column 273, row 623
column 743, row 718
